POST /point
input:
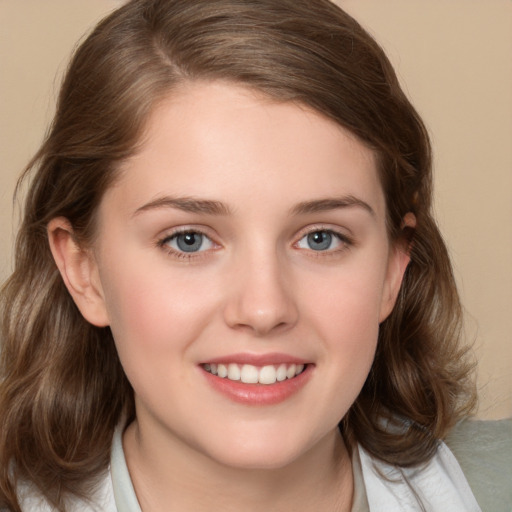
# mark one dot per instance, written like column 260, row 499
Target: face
column 243, row 264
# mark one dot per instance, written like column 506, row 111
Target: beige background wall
column 454, row 59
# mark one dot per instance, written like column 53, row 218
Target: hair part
column 62, row 388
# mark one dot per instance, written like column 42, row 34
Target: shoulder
column 484, row 451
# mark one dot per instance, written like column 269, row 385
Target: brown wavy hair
column 62, row 388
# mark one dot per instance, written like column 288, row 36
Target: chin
column 259, row 453
column 257, row 461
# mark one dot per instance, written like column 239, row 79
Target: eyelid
column 346, row 239
column 337, row 230
column 162, row 241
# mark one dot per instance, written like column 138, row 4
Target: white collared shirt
column 438, row 486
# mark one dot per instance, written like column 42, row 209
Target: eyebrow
column 322, row 205
column 212, row 207
column 186, row 204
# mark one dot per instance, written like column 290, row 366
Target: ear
column 399, row 257
column 79, row 271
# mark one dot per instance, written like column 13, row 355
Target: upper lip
column 273, row 358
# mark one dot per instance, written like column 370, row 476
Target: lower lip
column 259, row 394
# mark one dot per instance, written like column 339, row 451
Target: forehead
column 229, row 142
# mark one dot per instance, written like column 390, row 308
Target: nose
column 260, row 298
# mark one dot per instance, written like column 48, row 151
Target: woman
column 229, row 286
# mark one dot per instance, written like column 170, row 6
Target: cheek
column 344, row 311
column 348, row 300
column 351, row 331
column 152, row 312
column 154, row 321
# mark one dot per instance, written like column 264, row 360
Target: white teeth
column 250, row 374
column 281, row 373
column 233, row 372
column 290, row 372
column 267, row 375
column 222, row 370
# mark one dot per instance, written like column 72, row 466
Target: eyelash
column 345, row 241
column 163, row 243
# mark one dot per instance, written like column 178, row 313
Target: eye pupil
column 320, row 240
column 189, row 242
column 189, row 238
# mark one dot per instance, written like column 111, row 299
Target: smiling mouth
column 249, row 374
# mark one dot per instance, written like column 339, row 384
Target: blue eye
column 188, row 242
column 321, row 240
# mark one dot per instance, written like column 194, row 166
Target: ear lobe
column 78, row 270
column 399, row 258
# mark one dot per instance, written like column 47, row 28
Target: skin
column 256, row 286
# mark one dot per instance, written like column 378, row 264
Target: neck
column 174, row 478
